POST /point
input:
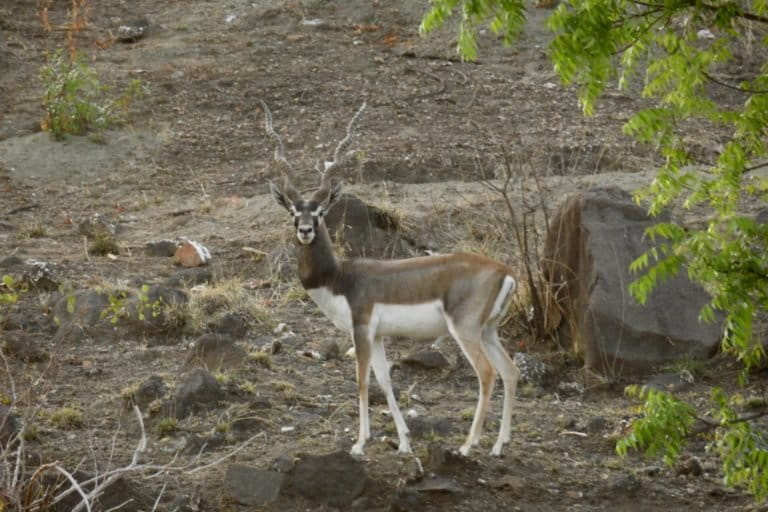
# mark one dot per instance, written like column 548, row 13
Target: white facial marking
column 317, row 212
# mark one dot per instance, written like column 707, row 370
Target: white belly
column 425, row 320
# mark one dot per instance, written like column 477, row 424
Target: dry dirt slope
column 193, row 162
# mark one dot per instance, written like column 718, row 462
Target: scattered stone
column 532, row 370
column 10, row 262
column 591, row 242
column 376, row 395
column 96, row 226
column 282, row 464
column 596, row 424
column 198, row 391
column 689, row 465
column 160, row 248
column 407, row 500
column 570, row 388
column 625, row 485
column 192, row 254
column 421, row 426
column 244, row 428
column 40, row 276
column 9, row 425
column 444, row 460
column 133, row 31
column 336, row 479
column 437, row 484
column 428, row 359
column 230, row 324
column 19, row 345
column 252, row 487
column 150, row 390
column 329, row 349
column 670, row 382
column 215, row 352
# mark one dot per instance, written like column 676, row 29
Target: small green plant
column 222, row 378
column 31, row 433
column 9, row 290
column 167, row 426
column 663, row 428
column 74, row 100
column 117, row 308
column 67, row 418
column 224, row 427
column 467, row 414
column 248, row 387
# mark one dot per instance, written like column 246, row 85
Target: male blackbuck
column 464, row 295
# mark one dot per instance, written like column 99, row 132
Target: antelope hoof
column 464, row 450
column 404, row 448
column 496, row 450
column 357, row 450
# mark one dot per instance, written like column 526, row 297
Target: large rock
column 335, row 479
column 592, row 240
column 365, row 231
column 198, row 392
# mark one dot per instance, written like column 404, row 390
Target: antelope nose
column 305, row 231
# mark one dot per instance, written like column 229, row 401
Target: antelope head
column 308, row 214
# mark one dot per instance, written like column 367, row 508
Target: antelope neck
column 318, row 266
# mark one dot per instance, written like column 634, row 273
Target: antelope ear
column 279, row 197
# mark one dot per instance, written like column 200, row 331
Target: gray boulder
column 591, row 242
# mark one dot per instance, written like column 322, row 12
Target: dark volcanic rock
column 216, row 351
column 252, row 487
column 198, row 391
column 335, row 479
column 21, row 346
column 429, row 359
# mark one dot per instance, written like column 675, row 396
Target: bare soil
column 193, row 161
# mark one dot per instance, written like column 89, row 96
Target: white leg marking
column 507, row 287
column 509, row 374
column 381, row 371
column 472, row 347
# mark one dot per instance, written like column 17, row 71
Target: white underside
column 424, row 320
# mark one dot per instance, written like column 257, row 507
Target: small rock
column 21, row 346
column 192, row 254
column 329, row 349
column 437, row 483
column 443, row 460
column 689, row 465
column 532, row 370
column 429, row 359
column 596, row 424
column 252, row 487
column 425, row 426
column 39, row 275
column 149, row 391
column 97, row 225
column 282, row 464
column 230, row 324
column 198, row 391
column 407, row 500
column 216, row 351
column 189, row 277
column 133, row 31
column 160, row 248
column 570, row 388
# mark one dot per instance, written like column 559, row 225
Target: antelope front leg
column 381, row 371
column 363, row 360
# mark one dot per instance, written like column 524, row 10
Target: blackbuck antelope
column 464, row 295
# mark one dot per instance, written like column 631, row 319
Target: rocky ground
column 231, row 356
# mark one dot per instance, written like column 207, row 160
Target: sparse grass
column 223, row 427
column 222, row 297
column 261, row 358
column 31, row 433
column 467, row 414
column 222, row 378
column 294, row 293
column 248, row 387
column 128, row 392
column 102, row 244
column 286, row 388
column 167, row 427
column 66, row 418
column 34, row 230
